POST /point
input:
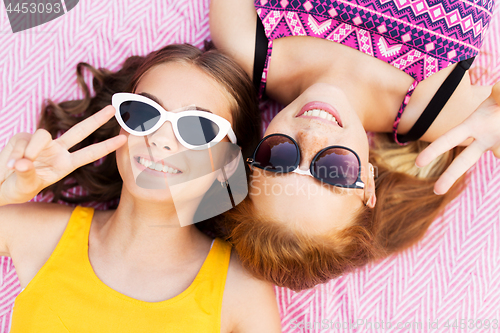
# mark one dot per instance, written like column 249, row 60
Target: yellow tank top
column 67, row 296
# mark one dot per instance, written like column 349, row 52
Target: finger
column 5, row 154
column 9, row 148
column 447, row 141
column 26, row 174
column 96, row 151
column 84, row 128
column 19, row 187
column 23, row 165
column 496, row 151
column 495, row 92
column 40, row 139
column 17, row 152
column 458, row 167
column 26, row 182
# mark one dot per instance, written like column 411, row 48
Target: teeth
column 156, row 166
column 321, row 114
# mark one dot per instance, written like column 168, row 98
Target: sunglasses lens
column 197, row 131
column 139, row 116
column 337, row 166
column 277, row 154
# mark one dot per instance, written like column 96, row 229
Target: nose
column 164, row 139
column 310, row 143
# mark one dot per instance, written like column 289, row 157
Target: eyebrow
column 157, row 100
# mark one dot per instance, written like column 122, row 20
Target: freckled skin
column 309, row 205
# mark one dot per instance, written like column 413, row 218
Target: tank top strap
column 401, row 110
column 74, row 241
column 217, row 261
column 211, row 279
column 72, row 250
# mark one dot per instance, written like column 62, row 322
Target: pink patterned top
column 419, row 37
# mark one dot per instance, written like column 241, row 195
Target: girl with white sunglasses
column 133, row 268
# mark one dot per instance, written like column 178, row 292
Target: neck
column 149, row 232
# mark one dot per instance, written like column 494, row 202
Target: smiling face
column 320, row 117
column 154, row 160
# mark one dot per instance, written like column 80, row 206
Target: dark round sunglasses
column 335, row 165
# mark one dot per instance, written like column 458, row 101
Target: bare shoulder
column 30, row 232
column 249, row 304
column 462, row 103
column 20, row 222
column 232, row 27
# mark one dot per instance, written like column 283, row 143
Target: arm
column 457, row 111
column 30, row 237
column 232, row 27
column 249, row 304
column 464, row 101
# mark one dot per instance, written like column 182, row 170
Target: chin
column 147, row 194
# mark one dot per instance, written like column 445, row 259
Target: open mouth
column 321, row 110
column 156, row 166
column 320, row 114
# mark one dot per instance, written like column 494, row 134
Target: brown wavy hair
column 100, row 180
column 406, row 207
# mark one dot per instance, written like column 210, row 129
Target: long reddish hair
column 406, row 207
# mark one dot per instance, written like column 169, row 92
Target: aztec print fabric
column 418, row 37
column 453, row 272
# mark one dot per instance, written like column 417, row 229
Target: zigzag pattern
column 433, row 29
column 452, row 273
column 443, row 11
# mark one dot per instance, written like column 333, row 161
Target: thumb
column 495, row 92
column 496, row 151
column 26, row 178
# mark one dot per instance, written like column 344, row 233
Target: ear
column 230, row 168
column 370, row 197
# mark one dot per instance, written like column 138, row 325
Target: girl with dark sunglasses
column 344, row 68
column 134, row 268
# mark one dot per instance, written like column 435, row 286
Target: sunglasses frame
column 357, row 184
column 172, row 116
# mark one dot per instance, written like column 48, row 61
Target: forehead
column 179, row 84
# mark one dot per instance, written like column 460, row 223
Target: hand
column 483, row 126
column 31, row 162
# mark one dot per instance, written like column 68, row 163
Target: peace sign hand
column 483, row 126
column 31, row 162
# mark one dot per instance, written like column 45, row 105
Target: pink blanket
column 450, row 280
